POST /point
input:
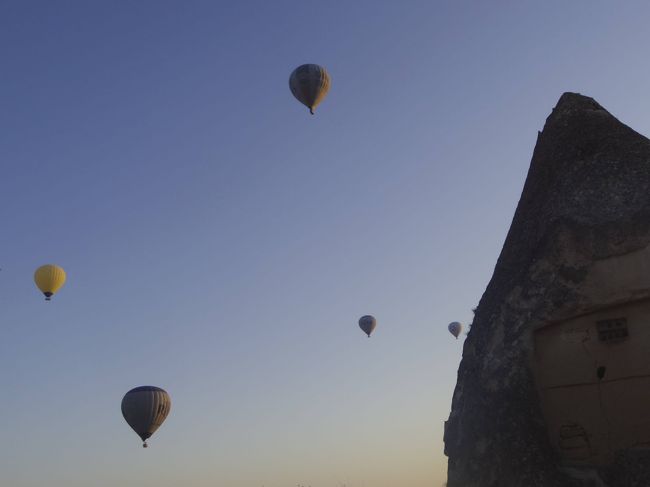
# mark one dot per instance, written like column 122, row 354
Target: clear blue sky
column 221, row 243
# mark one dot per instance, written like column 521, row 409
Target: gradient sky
column 221, row 243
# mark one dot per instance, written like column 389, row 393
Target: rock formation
column 578, row 248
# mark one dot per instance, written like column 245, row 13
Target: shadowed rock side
column 586, row 198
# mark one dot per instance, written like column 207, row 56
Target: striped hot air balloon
column 144, row 409
column 309, row 83
column 49, row 279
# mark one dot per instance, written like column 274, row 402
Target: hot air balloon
column 455, row 328
column 144, row 409
column 49, row 279
column 309, row 83
column 367, row 323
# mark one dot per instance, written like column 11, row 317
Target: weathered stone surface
column 586, row 199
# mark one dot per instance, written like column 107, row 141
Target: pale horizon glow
column 221, row 243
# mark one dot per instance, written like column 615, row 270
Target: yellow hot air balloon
column 49, row 279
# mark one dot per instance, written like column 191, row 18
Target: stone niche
column 592, row 369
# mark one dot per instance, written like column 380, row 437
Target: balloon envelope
column 455, row 328
column 367, row 323
column 145, row 408
column 49, row 279
column 309, row 83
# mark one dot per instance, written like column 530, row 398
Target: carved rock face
column 578, row 247
column 593, row 376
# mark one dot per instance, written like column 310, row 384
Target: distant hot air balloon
column 49, row 279
column 455, row 328
column 309, row 83
column 144, row 409
column 367, row 323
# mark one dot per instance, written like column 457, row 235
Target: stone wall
column 586, row 200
